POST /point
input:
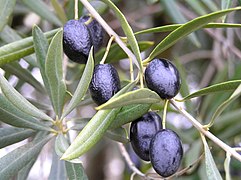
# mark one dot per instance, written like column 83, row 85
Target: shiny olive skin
column 142, row 131
column 166, row 152
column 96, row 31
column 76, row 41
column 104, row 84
column 163, row 77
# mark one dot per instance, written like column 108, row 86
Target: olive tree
column 46, row 95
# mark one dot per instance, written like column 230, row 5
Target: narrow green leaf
column 75, row 171
column 171, row 8
column 82, row 86
column 41, row 46
column 18, row 49
column 19, row 101
column 59, row 11
column 227, row 166
column 221, row 108
column 11, row 135
column 42, row 9
column 14, row 161
column 9, row 35
column 54, row 72
column 91, row 133
column 173, row 27
column 186, row 29
column 119, row 134
column 94, row 130
column 211, row 5
column 57, row 171
column 24, row 75
column 13, row 116
column 6, row 9
column 128, row 32
column 211, row 168
column 116, row 53
column 140, row 96
column 220, row 87
column 23, row 173
column 61, row 144
column 129, row 113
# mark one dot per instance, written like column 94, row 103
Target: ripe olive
column 163, row 77
column 95, row 29
column 104, row 84
column 166, row 152
column 76, row 41
column 142, row 131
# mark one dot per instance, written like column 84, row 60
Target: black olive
column 76, row 41
column 96, row 31
column 166, row 152
column 142, row 131
column 163, row 77
column 104, row 84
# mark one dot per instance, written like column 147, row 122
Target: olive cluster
column 79, row 36
column 149, row 140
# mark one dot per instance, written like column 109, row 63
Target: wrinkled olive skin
column 96, row 31
column 104, row 84
column 163, row 77
column 76, row 41
column 166, row 152
column 142, row 131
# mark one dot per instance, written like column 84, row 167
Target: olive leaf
column 221, row 108
column 9, row 35
column 128, row 32
column 54, row 72
column 219, row 87
column 6, row 9
column 41, row 46
column 19, row 101
column 171, row 8
column 75, row 171
column 21, row 48
column 119, row 134
column 14, row 161
column 13, row 116
column 11, row 135
column 23, row 74
column 82, row 86
column 57, row 171
column 211, row 168
column 129, row 113
column 139, row 96
column 186, row 29
column 172, row 27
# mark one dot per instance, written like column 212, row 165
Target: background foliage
column 45, row 103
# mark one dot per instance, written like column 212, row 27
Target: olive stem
column 128, row 160
column 131, row 70
column 107, row 50
column 212, row 137
column 76, row 10
column 164, row 114
column 109, row 30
